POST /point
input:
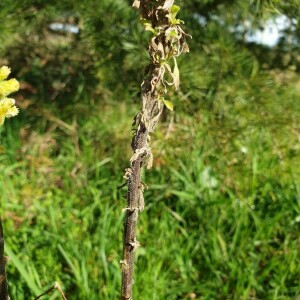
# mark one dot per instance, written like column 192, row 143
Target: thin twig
column 56, row 286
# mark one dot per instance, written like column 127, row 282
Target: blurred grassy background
column 222, row 213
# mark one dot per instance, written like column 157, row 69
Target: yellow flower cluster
column 7, row 105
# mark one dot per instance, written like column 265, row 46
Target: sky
column 271, row 33
column 268, row 36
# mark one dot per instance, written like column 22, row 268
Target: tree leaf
column 147, row 24
column 168, row 104
column 174, row 10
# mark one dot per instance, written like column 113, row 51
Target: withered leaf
column 136, row 4
column 168, row 4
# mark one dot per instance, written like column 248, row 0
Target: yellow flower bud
column 8, row 86
column 7, row 109
column 4, row 72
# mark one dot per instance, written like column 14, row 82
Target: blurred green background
column 222, row 215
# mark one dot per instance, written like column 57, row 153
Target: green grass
column 222, row 215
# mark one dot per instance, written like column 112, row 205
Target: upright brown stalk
column 3, row 260
column 167, row 43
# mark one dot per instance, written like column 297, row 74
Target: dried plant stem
column 167, row 43
column 135, row 202
column 130, row 242
column 56, row 286
column 3, row 261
